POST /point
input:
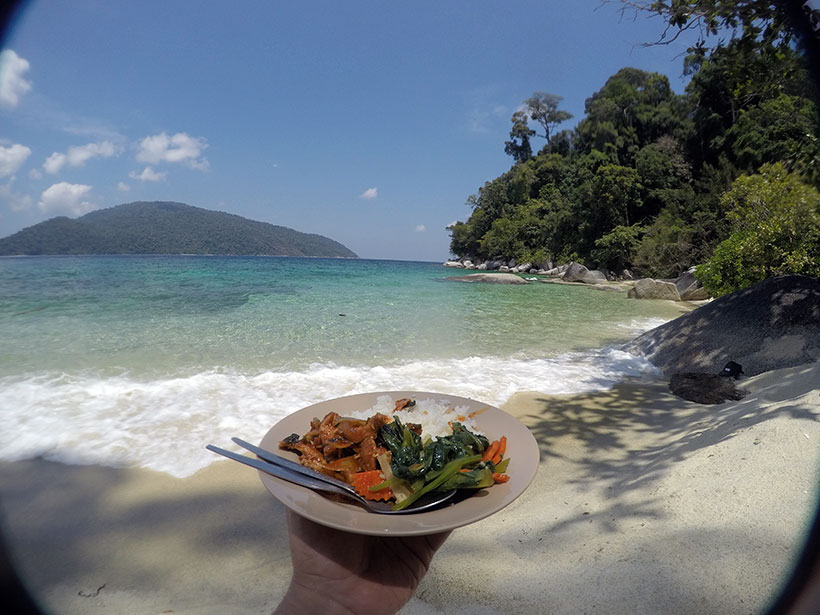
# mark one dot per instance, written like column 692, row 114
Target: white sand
column 643, row 503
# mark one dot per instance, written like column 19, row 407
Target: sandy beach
column 643, row 502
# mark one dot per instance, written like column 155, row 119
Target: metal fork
column 278, row 466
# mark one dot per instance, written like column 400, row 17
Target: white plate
column 522, row 451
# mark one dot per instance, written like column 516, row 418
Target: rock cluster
column 684, row 288
column 500, row 265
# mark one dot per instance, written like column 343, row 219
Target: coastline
column 643, row 503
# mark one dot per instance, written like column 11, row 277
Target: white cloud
column 13, row 85
column 420, row 228
column 54, row 163
column 67, row 199
column 370, row 193
column 181, row 148
column 148, row 175
column 15, row 201
column 123, row 187
column 78, row 155
column 12, row 158
column 35, row 174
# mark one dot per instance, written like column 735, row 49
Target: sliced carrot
column 502, row 447
column 491, row 451
column 500, row 478
column 363, row 481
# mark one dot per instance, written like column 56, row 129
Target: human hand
column 345, row 573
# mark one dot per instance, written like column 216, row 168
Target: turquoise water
column 115, row 359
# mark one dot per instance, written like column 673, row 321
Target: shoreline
column 643, row 503
column 571, row 371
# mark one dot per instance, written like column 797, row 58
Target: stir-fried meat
column 339, row 447
column 354, row 430
column 368, row 451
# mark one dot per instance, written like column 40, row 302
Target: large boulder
column 575, row 272
column 771, row 325
column 492, row 278
column 689, row 288
column 578, row 273
column 594, row 276
column 648, row 288
column 695, row 294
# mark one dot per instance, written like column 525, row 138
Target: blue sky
column 368, row 122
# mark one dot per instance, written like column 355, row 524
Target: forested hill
column 166, row 228
column 724, row 177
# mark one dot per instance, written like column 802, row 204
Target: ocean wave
column 164, row 424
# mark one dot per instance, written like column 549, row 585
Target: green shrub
column 775, row 230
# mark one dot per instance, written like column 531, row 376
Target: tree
column 632, row 109
column 762, row 21
column 519, row 144
column 615, row 249
column 779, row 129
column 543, row 108
column 775, row 220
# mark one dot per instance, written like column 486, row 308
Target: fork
column 278, row 466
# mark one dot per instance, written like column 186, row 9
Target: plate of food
column 500, row 461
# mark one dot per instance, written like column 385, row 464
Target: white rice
column 433, row 415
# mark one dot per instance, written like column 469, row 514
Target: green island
column 162, row 227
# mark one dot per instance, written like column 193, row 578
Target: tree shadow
column 632, row 435
column 77, row 533
column 768, row 326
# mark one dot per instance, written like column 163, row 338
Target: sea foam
column 164, row 424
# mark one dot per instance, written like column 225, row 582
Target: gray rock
column 575, row 273
column 689, row 288
column 771, row 325
column 595, row 277
column 685, row 281
column 492, row 278
column 648, row 288
column 705, row 388
column 695, row 294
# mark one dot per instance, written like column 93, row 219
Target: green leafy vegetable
column 479, row 477
column 446, row 473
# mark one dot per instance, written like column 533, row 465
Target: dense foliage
column 654, row 181
column 775, row 230
column 166, row 228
